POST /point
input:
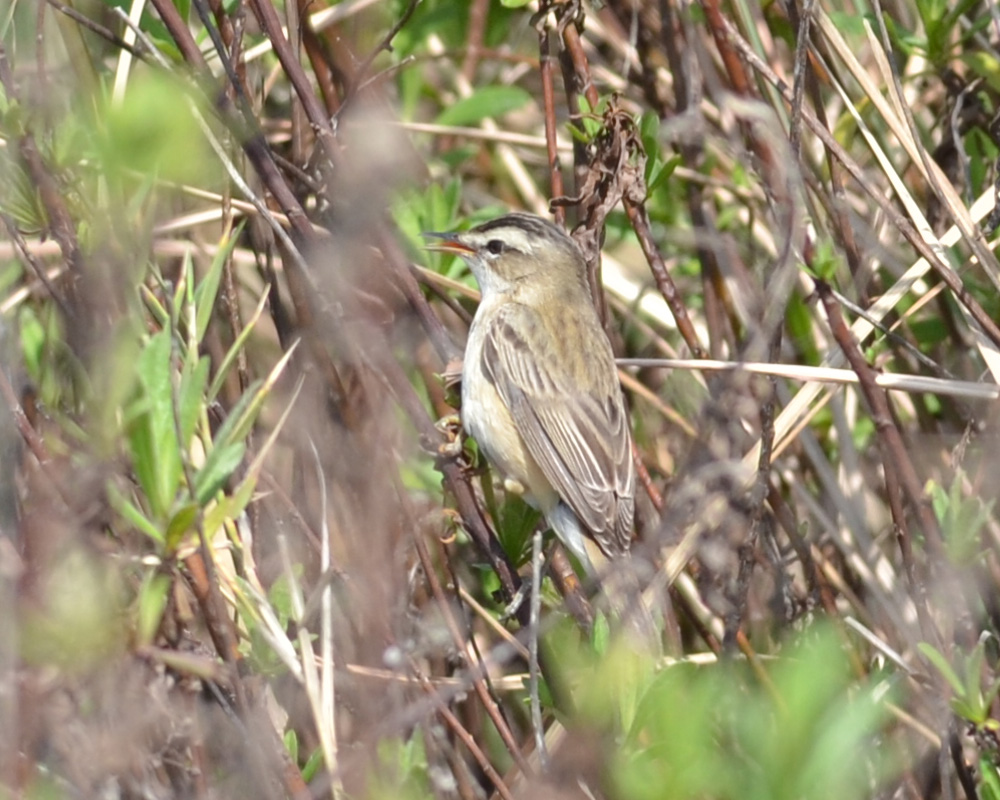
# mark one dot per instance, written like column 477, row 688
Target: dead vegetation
column 235, row 560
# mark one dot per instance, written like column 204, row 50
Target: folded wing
column 575, row 427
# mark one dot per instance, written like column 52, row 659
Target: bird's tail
column 622, row 582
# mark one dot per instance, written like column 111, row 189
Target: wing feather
column 574, row 425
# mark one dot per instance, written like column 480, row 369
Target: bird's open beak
column 449, row 244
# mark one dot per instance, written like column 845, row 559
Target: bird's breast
column 487, row 419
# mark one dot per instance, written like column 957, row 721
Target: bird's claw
column 450, row 427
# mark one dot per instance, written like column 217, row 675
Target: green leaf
column 602, row 634
column 208, row 289
column 155, row 307
column 192, row 396
column 153, row 596
column 243, row 416
column 825, row 261
column 155, row 452
column 230, row 507
column 234, row 350
column 990, row 786
column 798, row 322
column 649, row 131
column 962, row 518
column 280, row 594
column 985, row 65
column 849, row 23
column 20, row 199
column 516, row 521
column 153, row 130
column 973, row 678
column 232, row 429
column 180, row 523
column 127, row 509
column 221, row 462
column 660, row 171
column 942, row 665
column 32, row 341
column 312, row 765
column 291, row 740
column 590, row 118
column 490, row 101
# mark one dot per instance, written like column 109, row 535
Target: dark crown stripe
column 528, row 223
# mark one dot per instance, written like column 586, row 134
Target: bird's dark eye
column 494, row 246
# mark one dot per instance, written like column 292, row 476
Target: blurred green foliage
column 717, row 731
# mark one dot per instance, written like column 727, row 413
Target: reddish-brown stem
column 645, row 480
column 900, row 475
column 463, row 734
column 460, row 641
column 741, row 84
column 549, row 100
column 28, row 433
column 640, row 223
column 318, row 59
column 574, row 46
column 478, row 11
column 268, row 18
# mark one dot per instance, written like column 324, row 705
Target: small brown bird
column 540, row 391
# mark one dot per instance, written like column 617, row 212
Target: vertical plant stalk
column 201, row 564
column 267, row 16
column 549, row 101
column 838, row 209
column 478, row 12
column 639, row 218
column 533, row 633
column 900, row 475
column 21, row 421
column 322, row 696
column 463, row 734
column 491, row 707
column 800, row 75
column 633, row 198
column 255, row 146
column 742, row 85
column 758, row 496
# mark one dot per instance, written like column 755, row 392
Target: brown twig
column 639, row 218
column 458, row 482
column 267, row 16
column 549, row 102
column 488, row 702
column 28, row 433
column 384, row 44
column 900, row 475
column 743, row 86
column 478, row 14
column 445, row 346
column 323, row 68
column 463, row 734
column 29, row 258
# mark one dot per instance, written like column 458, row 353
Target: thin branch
column 900, row 474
